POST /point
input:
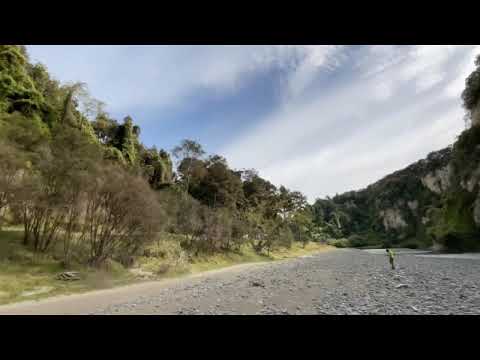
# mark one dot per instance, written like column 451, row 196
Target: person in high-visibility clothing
column 391, row 257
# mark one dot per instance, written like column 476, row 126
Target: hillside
column 433, row 202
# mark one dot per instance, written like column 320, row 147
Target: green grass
column 248, row 255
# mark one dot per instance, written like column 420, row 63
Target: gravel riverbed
column 342, row 281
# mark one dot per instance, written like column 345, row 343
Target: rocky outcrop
column 392, row 219
column 438, row 181
column 473, row 180
column 413, row 205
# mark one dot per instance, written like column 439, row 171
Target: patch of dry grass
column 28, row 276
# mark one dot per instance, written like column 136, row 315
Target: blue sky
column 319, row 119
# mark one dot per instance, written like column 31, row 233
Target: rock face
column 438, row 180
column 392, row 219
column 413, row 205
column 472, row 181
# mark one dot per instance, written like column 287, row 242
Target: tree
column 105, row 128
column 75, row 159
column 302, row 226
column 215, row 184
column 74, row 92
column 128, row 139
column 290, row 202
column 187, row 152
column 17, row 90
column 258, row 191
column 11, row 164
column 157, row 166
column 48, row 196
column 188, row 219
column 121, row 214
column 471, row 94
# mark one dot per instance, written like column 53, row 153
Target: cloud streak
column 391, row 111
column 147, row 76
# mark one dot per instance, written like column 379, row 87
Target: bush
column 357, row 241
column 113, row 266
column 339, row 243
column 121, row 215
column 164, row 256
column 366, row 239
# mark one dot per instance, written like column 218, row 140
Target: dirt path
column 342, row 281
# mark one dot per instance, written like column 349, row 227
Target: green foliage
column 17, row 90
column 357, row 215
column 127, row 139
column 466, row 153
column 29, row 134
column 186, row 154
column 471, row 94
column 453, row 224
column 164, row 256
column 339, row 243
column 366, row 239
column 214, row 184
column 157, row 167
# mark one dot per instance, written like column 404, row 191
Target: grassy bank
column 247, row 255
column 27, row 276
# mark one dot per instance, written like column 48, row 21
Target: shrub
column 121, row 215
column 339, row 243
column 357, row 241
column 164, row 256
column 113, row 266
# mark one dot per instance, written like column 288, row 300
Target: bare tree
column 121, row 214
column 40, row 208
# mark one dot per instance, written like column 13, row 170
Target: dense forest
column 76, row 179
column 80, row 181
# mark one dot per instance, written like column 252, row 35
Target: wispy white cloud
column 127, row 76
column 464, row 67
column 383, row 117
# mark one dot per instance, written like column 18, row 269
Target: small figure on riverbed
column 391, row 257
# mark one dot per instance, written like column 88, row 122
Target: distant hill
column 433, row 202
